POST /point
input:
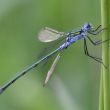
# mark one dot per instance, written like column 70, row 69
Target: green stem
column 101, row 102
column 105, row 58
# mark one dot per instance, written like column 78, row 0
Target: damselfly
column 47, row 35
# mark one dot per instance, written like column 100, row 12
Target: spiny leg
column 91, row 32
column 98, row 42
column 86, row 50
column 87, row 53
column 96, row 28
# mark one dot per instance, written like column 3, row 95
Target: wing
column 47, row 34
column 51, row 69
column 50, row 47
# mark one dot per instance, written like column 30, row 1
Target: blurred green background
column 74, row 84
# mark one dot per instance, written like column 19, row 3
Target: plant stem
column 105, row 58
column 101, row 97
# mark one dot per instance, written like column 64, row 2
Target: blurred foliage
column 74, row 84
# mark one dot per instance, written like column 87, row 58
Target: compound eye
column 88, row 26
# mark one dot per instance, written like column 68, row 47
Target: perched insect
column 47, row 35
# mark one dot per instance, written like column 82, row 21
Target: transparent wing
column 47, row 34
column 51, row 69
column 50, row 47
